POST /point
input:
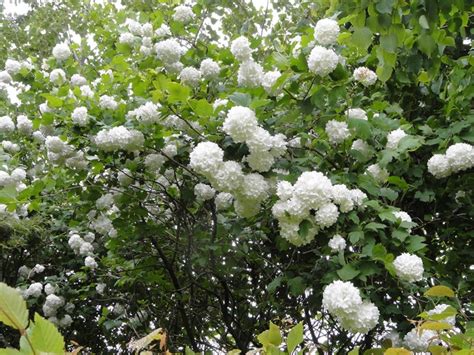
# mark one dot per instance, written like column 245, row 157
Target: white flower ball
column 361, row 146
column 80, row 116
column 379, row 174
column 250, row 74
column 364, row 318
column 394, row 137
column 12, row 66
column 438, row 166
column 78, row 80
column 326, row 32
column 107, row 102
column 169, row 51
column 61, row 51
column 460, row 156
column 365, row 76
column 337, row 131
column 49, row 289
column 223, row 201
column 241, row 50
column 284, row 190
column 57, row 76
column 127, row 38
column 409, row 267
column 6, row 124
column 24, row 125
column 203, row 192
column 190, row 76
column 269, row 79
column 357, row 113
column 86, row 248
column 260, row 161
column 206, row 158
column 341, row 298
column 183, row 13
column 327, row 215
column 416, row 340
column 90, row 262
column 337, row 243
column 322, row 61
column 34, row 290
column 209, row 69
column 5, row 77
column 240, row 123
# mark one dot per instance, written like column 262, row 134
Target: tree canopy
column 210, row 167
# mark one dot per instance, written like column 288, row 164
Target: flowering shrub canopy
column 209, row 167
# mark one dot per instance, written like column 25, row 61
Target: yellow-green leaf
column 433, row 325
column 13, row 310
column 271, row 336
column 157, row 334
column 439, row 291
column 437, row 350
column 45, row 338
column 295, row 337
column 397, row 351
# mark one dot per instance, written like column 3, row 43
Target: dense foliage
column 209, row 168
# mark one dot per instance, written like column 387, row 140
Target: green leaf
column 355, row 236
column 271, row 336
column 347, row 272
column 295, row 337
column 424, row 22
column 177, row 92
column 13, row 310
column 439, row 291
column 53, row 101
column 10, row 351
column 239, row 98
column 45, row 337
column 362, row 128
column 362, row 37
column 201, row 107
column 297, row 285
column 432, row 325
column 384, row 6
column 379, row 252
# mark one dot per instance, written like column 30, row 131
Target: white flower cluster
column 120, row 137
column 365, row 76
column 154, row 162
column 61, row 51
column 24, row 124
column 249, row 190
column 60, row 152
column 14, row 179
column 337, row 243
column 269, row 80
column 357, row 113
column 103, row 225
column 6, row 124
column 337, row 131
column 80, row 117
column 5, row 78
column 343, row 300
column 84, row 247
column 223, row 201
column 34, row 290
column 250, row 74
column 14, row 66
column 203, row 192
column 107, row 102
column 418, row 340
column 242, row 125
column 402, row 216
column 312, row 191
column 209, row 69
column 409, row 267
column 183, row 13
column 190, row 76
column 326, row 32
column 169, row 51
column 78, row 80
column 322, row 61
column 458, row 157
column 378, row 173
column 52, row 304
column 163, row 31
column 148, row 113
column 57, row 76
column 394, row 137
column 241, row 50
